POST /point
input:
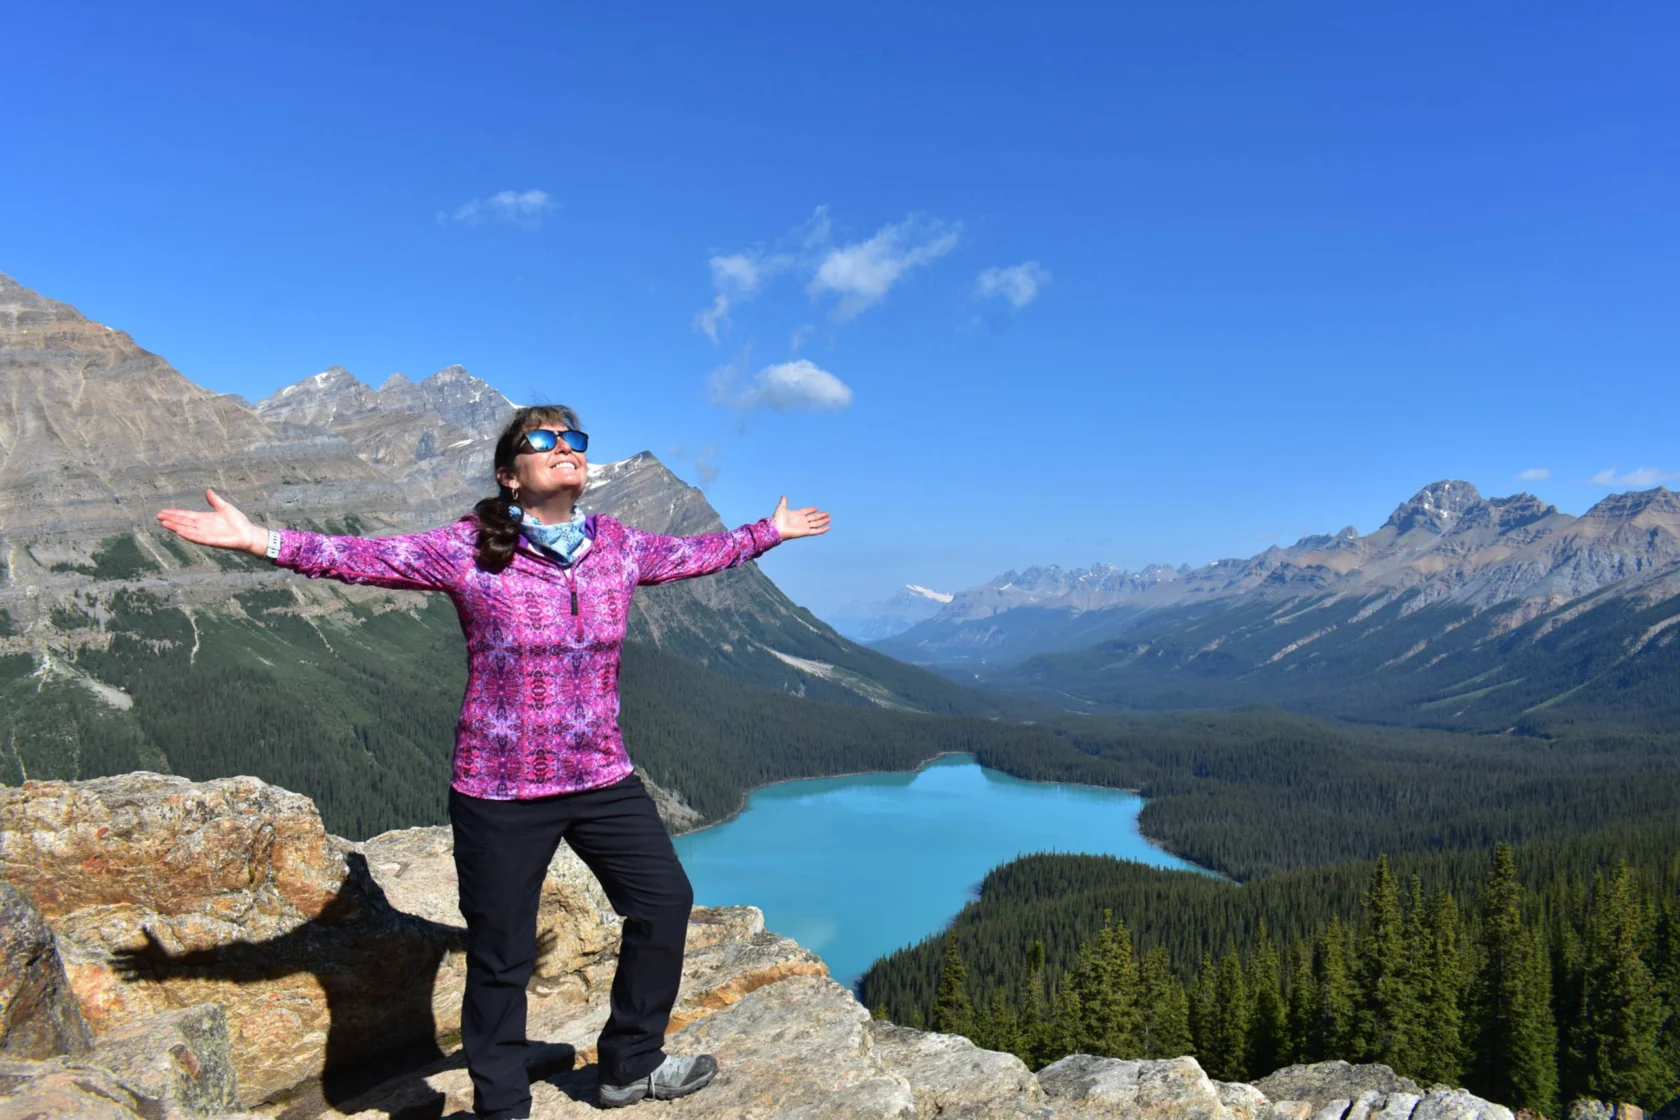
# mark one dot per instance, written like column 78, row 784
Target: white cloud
column 787, row 387
column 1019, row 283
column 800, row 334
column 736, row 278
column 1535, row 474
column 862, row 273
column 520, row 208
column 1644, row 476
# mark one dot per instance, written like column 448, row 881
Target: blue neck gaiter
column 564, row 542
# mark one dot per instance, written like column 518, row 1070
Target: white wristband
column 274, row 544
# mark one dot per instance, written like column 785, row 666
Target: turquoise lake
column 853, row 868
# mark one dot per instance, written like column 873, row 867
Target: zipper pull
column 574, row 603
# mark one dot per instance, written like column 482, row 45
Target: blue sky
column 998, row 284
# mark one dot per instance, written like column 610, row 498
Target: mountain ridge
column 98, row 602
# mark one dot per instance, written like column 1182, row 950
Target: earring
column 514, row 510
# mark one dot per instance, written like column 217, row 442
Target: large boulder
column 1171, row 1089
column 39, row 1015
column 1323, row 1082
column 166, row 894
column 952, row 1078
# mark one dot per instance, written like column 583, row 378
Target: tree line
column 1531, row 998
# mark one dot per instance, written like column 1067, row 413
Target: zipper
column 571, row 582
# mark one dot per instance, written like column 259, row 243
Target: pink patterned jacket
column 540, row 715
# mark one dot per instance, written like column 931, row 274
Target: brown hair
column 498, row 531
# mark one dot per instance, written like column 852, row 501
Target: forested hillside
column 1533, row 980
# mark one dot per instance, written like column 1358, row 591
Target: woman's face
column 541, row 474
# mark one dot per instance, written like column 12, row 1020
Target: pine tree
column 1516, row 1036
column 1067, row 1020
column 1003, row 1033
column 1032, row 1028
column 1387, row 1019
column 1303, row 1008
column 952, row 1011
column 1226, row 1057
column 1665, row 970
column 1440, row 990
column 1107, row 982
column 1204, row 1010
column 1337, row 995
column 1619, row 999
column 1084, row 981
column 1268, row 1026
column 1164, row 1020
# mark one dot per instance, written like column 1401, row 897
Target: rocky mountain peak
column 456, row 396
column 1659, row 502
column 69, row 381
column 1436, row 507
column 319, row 400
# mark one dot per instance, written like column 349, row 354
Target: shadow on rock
column 378, row 980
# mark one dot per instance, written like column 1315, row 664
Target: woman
column 544, row 597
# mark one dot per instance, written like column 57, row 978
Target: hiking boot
column 675, row 1077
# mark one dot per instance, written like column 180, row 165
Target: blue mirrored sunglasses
column 545, row 439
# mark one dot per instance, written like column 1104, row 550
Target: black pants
column 502, row 851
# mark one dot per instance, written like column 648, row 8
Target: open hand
column 807, row 522
column 223, row 527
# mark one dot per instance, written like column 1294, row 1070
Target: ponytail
column 498, row 532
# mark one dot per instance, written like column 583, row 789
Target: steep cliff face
column 229, row 953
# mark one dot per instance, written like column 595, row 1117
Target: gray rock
column 1585, row 1109
column 39, row 1013
column 1244, row 1102
column 1323, row 1082
column 1175, row 1089
column 1366, row 1105
column 178, row 1058
column 1332, row 1110
column 953, row 1078
column 1288, row 1110
column 1397, row 1106
column 1458, row 1104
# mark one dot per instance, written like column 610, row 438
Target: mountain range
column 869, row 622
column 1459, row 610
column 96, row 600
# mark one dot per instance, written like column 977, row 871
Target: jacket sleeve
column 661, row 559
column 430, row 561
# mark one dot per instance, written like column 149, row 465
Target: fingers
column 216, row 501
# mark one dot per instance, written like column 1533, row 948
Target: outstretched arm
column 660, row 559
column 418, row 562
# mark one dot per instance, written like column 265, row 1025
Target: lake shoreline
column 1200, row 869
column 857, row 865
column 747, row 796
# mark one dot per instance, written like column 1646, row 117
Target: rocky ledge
column 172, row 949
